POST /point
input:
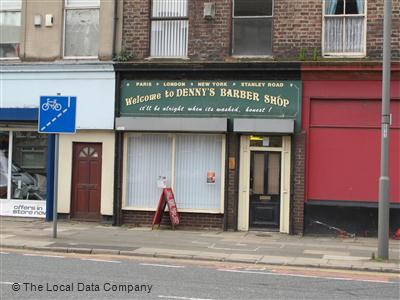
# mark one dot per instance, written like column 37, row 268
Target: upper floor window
column 252, row 27
column 169, row 28
column 344, row 27
column 81, row 28
column 10, row 26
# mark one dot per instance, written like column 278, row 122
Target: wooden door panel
column 86, row 181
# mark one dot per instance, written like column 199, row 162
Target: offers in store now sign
column 252, row 98
column 23, row 208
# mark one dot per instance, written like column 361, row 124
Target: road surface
column 37, row 275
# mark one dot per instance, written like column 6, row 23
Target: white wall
column 107, row 168
column 21, row 86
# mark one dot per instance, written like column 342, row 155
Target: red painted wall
column 341, row 119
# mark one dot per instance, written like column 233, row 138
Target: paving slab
column 250, row 247
column 247, row 258
column 281, row 260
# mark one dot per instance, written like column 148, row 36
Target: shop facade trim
column 171, row 124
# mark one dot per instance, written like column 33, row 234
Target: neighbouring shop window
column 252, row 27
column 10, row 26
column 82, row 28
column 191, row 164
column 28, row 162
column 169, row 28
column 344, row 27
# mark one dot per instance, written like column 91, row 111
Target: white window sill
column 167, row 58
column 344, row 55
column 253, row 56
column 184, row 210
column 81, row 57
column 10, row 58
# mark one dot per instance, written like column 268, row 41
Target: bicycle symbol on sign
column 51, row 104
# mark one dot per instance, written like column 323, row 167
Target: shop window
column 10, row 27
column 81, row 28
column 169, row 28
column 191, row 164
column 344, row 27
column 252, row 27
column 198, row 156
column 27, row 179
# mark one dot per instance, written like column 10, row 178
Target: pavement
column 258, row 247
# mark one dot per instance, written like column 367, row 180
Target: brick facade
column 209, row 40
column 188, row 220
column 297, row 27
column 375, row 29
column 136, row 28
column 232, row 181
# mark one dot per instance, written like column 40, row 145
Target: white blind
column 195, row 156
column 149, row 156
column 169, row 8
column 169, row 37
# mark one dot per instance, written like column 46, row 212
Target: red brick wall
column 136, row 28
column 209, row 40
column 188, row 220
column 297, row 25
column 375, row 29
column 297, row 207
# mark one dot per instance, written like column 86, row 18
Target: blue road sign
column 57, row 114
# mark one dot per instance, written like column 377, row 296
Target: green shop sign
column 205, row 98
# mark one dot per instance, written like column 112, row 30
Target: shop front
column 85, row 188
column 222, row 145
column 342, row 120
column 23, row 170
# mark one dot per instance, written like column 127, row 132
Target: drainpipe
column 115, row 29
column 118, row 151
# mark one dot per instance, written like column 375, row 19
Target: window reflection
column 29, row 166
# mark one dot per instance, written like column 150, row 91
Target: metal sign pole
column 383, row 218
column 55, row 186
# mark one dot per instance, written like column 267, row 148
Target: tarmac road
column 37, row 275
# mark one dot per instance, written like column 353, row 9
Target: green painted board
column 211, row 98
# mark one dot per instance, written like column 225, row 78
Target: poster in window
column 211, row 177
column 162, row 182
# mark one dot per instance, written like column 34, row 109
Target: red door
column 86, row 181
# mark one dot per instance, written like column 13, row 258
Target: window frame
column 151, row 18
column 77, row 7
column 343, row 16
column 219, row 210
column 251, row 17
column 5, row 10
